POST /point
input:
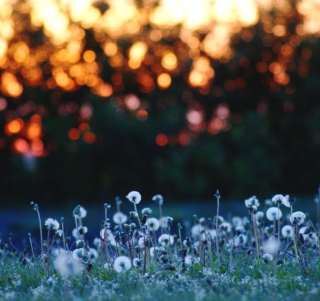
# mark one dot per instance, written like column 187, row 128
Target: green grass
column 241, row 276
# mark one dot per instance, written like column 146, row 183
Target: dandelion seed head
column 52, row 224
column 134, row 197
column 122, row 264
column 153, row 224
column 271, row 246
column 166, row 240
column 67, row 265
column 297, row 218
column 287, row 231
column 273, row 214
column 158, row 199
column 119, row 218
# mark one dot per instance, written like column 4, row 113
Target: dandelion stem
column 31, row 246
column 135, row 208
column 160, row 212
column 40, row 226
column 217, row 195
column 63, row 235
column 294, row 236
column 254, row 224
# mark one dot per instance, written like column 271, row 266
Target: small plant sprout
column 122, row 264
column 217, row 195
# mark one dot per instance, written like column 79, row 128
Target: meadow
column 270, row 252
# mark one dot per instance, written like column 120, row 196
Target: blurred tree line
column 272, row 144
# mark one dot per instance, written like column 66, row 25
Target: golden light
column 169, row 61
column 136, row 54
column 152, row 44
column 110, row 48
column 164, row 81
column 14, row 126
column 89, row 56
column 20, row 145
column 33, row 131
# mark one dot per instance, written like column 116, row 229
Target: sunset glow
column 154, row 42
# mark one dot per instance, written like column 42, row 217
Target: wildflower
column 119, row 218
column 83, row 212
column 273, row 214
column 97, row 242
column 134, row 197
column 122, row 264
column 81, row 229
column 136, row 262
column 271, row 246
column 80, row 243
column 267, row 258
column 169, row 221
column 153, row 224
column 297, row 218
column 66, row 265
column 165, row 240
column 146, row 211
column 240, row 240
column 78, row 253
column 93, row 254
column 252, row 203
column 58, row 234
column 287, row 231
column 225, row 226
column 279, row 199
column 196, row 230
column 236, row 221
column 52, row 224
column 158, row 199
column 259, row 215
column 143, row 241
column 163, row 222
column 109, row 236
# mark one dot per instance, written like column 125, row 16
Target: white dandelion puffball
column 109, row 236
column 267, row 257
column 287, row 231
column 165, row 240
column 134, row 197
column 271, row 246
column 153, row 224
column 252, row 202
column 158, row 199
column 273, row 214
column 52, row 224
column 80, row 230
column 119, row 218
column 297, row 218
column 281, row 199
column 66, row 265
column 122, row 264
column 78, row 253
column 83, row 212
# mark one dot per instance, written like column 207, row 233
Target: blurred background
column 177, row 97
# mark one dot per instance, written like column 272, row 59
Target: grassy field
column 236, row 252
